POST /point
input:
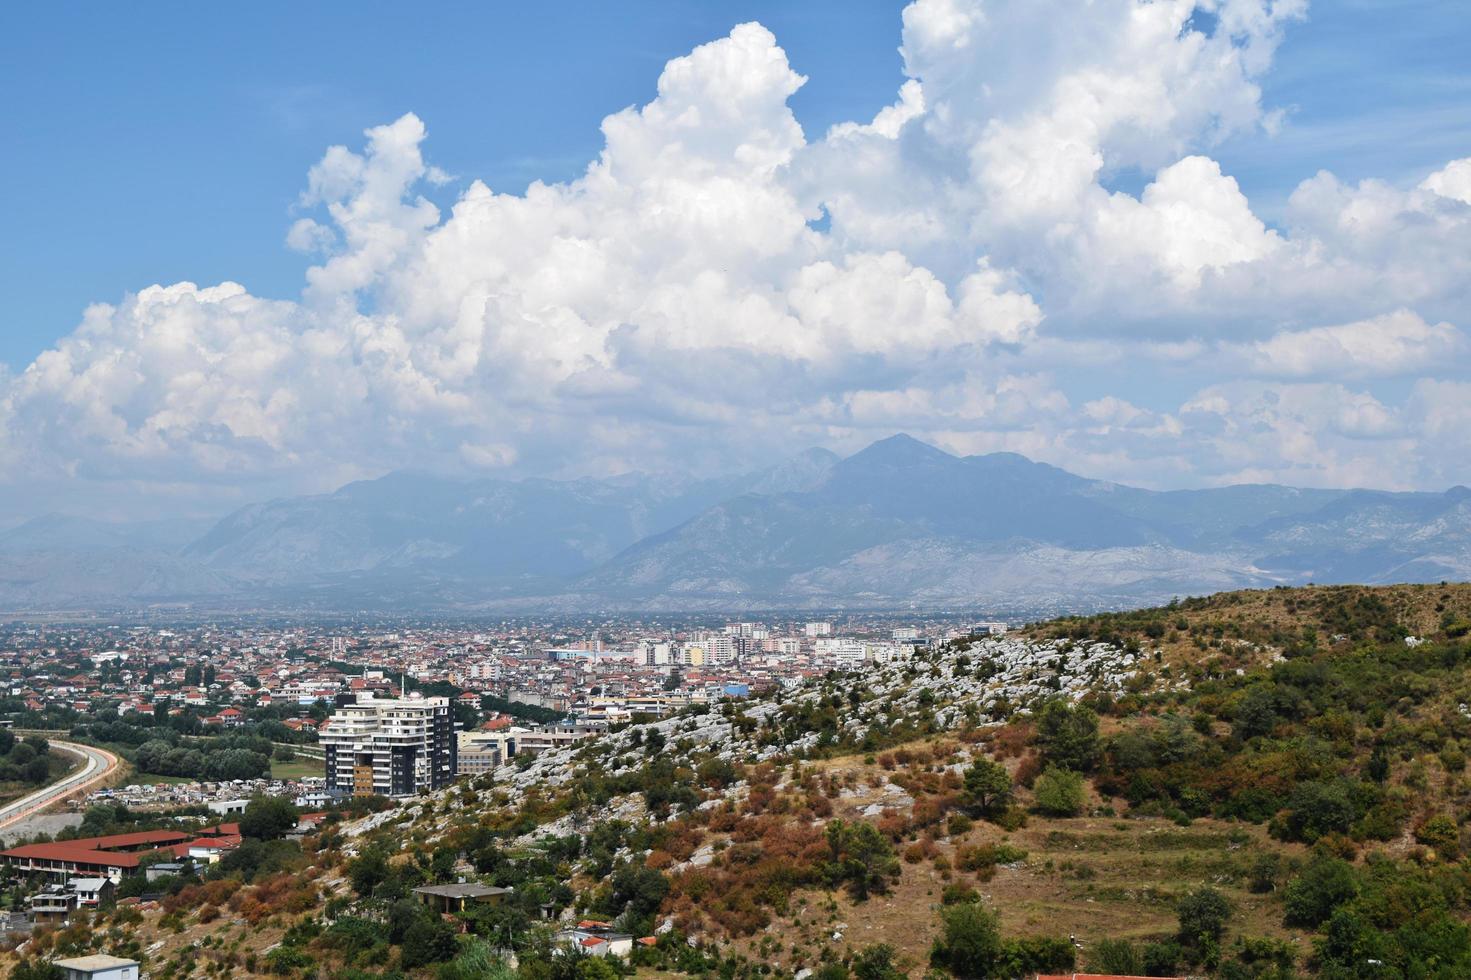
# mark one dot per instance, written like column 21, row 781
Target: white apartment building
column 390, row 747
column 655, row 653
column 843, row 652
column 720, row 649
column 483, row 670
column 812, row 630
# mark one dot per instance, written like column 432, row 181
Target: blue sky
column 164, row 142
column 1167, row 242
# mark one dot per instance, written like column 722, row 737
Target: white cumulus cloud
column 979, row 281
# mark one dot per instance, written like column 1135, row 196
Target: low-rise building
column 451, row 899
column 98, row 966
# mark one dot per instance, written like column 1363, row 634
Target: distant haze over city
column 898, row 525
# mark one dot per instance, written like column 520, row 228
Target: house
column 207, row 850
column 52, row 905
column 595, row 939
column 1094, row 976
column 307, row 823
column 449, row 899
column 168, row 869
column 93, row 893
column 98, row 966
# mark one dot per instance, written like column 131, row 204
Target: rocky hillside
column 1256, row 785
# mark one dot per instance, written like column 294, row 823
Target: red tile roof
column 70, row 853
column 118, row 842
column 1093, row 976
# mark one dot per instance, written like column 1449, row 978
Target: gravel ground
column 41, row 823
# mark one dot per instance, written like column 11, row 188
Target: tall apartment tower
column 390, row 747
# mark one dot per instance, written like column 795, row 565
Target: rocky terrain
column 1251, row 786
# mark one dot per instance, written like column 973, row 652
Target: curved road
column 99, row 765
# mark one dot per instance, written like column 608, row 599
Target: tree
column 862, row 858
column 638, row 890
column 1059, row 792
column 1264, row 872
column 268, row 817
column 988, row 787
column 970, row 941
column 1203, row 915
column 596, row 968
column 236, row 764
column 1256, row 713
column 367, row 871
column 38, row 770
column 1441, row 833
column 429, row 940
column 877, row 963
column 1116, row 956
column 1319, row 807
column 36, row 970
column 1068, row 735
column 1378, row 768
column 1323, row 886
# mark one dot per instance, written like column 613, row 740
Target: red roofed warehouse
column 109, row 857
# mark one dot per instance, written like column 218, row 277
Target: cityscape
column 757, row 490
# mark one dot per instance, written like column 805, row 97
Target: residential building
column 98, row 966
column 391, row 747
column 450, row 899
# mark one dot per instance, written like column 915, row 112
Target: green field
column 298, row 768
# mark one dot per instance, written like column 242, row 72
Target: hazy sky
column 1168, row 243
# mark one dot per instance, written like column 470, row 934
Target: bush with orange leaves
column 722, row 820
column 1011, row 739
column 280, row 893
column 682, row 840
column 893, row 824
column 1028, row 770
column 923, row 849
column 194, row 896
column 759, row 798
column 769, row 860
column 930, row 810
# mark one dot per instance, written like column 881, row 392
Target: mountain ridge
column 898, row 523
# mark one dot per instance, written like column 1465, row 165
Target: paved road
column 99, row 765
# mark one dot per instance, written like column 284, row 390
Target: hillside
column 1251, row 785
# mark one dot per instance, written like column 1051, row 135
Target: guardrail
column 99, row 764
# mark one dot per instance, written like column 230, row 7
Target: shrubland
column 1247, row 786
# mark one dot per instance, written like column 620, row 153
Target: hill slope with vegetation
column 1251, row 785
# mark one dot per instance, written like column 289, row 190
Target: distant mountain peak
column 901, row 449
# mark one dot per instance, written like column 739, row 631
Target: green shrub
column 1059, row 792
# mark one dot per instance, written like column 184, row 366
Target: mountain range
column 900, row 524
